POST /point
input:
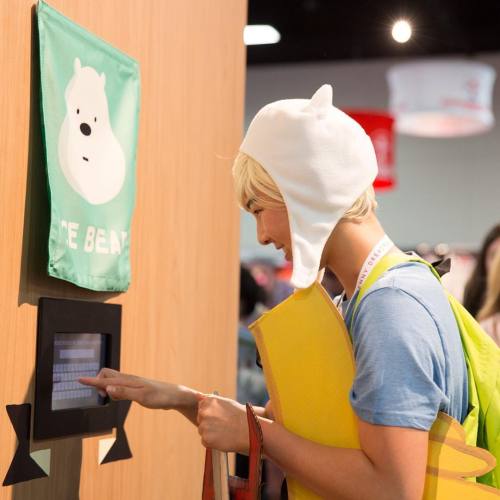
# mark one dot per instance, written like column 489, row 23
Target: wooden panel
column 180, row 313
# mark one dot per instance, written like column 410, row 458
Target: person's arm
column 150, row 393
column 390, row 466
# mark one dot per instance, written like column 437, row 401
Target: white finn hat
column 321, row 161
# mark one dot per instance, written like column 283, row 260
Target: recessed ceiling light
column 260, row 34
column 401, row 31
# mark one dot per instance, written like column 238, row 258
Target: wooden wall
column 180, row 313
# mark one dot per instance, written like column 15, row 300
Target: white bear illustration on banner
column 90, row 155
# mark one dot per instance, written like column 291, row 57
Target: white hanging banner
column 442, row 98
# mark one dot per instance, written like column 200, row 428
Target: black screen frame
column 65, row 316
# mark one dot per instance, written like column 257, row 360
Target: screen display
column 76, row 355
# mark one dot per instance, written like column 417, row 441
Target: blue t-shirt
column 409, row 358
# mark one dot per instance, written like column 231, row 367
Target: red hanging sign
column 379, row 126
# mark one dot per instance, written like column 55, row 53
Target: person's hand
column 269, row 413
column 146, row 392
column 222, row 424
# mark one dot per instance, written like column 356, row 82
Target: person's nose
column 262, row 237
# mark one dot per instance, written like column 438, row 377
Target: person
column 251, row 386
column 476, row 285
column 266, row 274
column 489, row 315
column 305, row 171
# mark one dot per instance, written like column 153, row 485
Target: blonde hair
column 253, row 183
column 492, row 300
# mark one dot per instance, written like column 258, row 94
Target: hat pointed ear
column 322, row 98
column 77, row 65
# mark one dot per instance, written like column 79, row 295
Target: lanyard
column 377, row 252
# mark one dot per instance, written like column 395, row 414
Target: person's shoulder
column 406, row 283
column 487, row 323
column 407, row 276
column 401, row 305
column 391, row 304
column 491, row 325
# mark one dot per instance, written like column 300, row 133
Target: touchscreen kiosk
column 76, row 355
column 74, row 339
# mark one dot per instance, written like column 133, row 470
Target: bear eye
column 95, row 118
column 78, row 111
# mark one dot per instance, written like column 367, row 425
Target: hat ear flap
column 322, row 98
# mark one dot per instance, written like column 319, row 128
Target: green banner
column 90, row 95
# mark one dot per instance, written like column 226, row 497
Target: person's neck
column 348, row 247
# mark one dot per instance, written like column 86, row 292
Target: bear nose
column 85, row 128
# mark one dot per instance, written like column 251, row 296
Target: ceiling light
column 401, row 31
column 260, row 34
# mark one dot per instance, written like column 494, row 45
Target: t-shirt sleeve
column 399, row 361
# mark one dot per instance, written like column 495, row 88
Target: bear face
column 90, row 156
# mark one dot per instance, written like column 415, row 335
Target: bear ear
column 103, row 79
column 77, row 65
column 322, row 98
